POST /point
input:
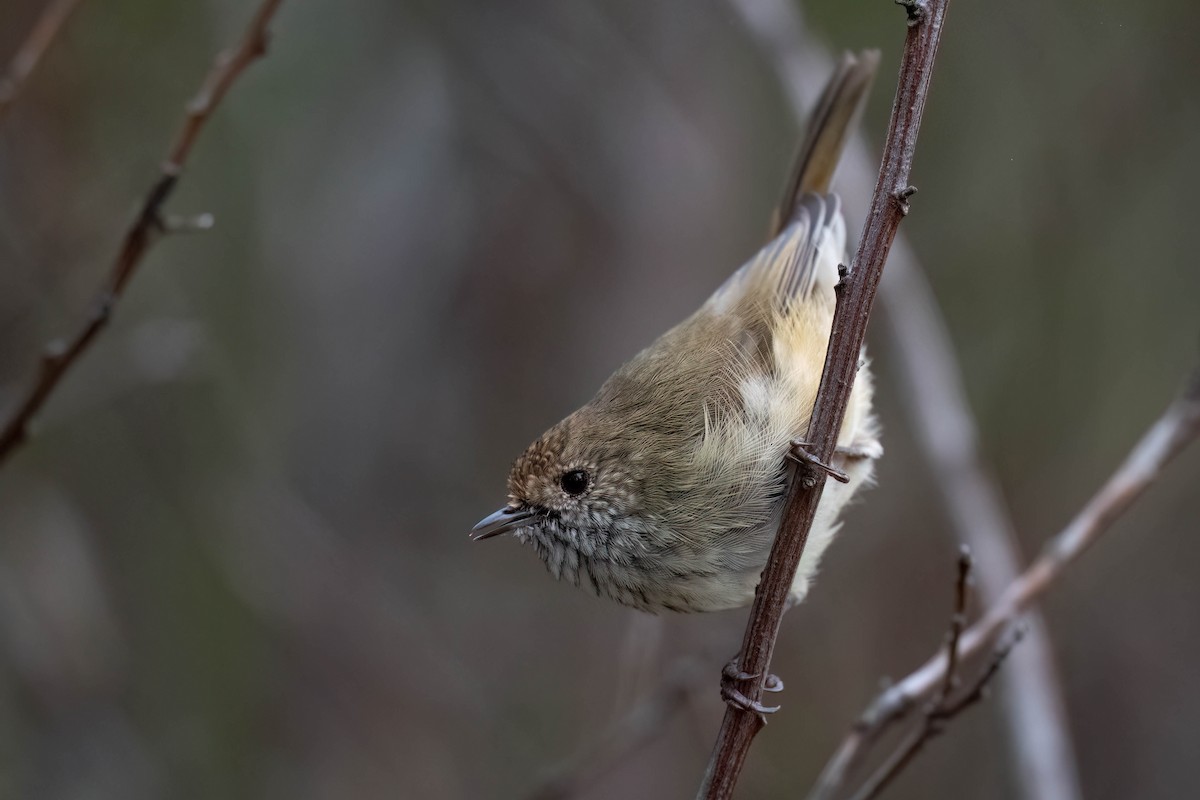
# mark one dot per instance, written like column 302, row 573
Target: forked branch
column 59, row 356
column 943, row 706
column 1178, row 427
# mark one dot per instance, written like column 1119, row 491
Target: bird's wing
column 802, row 261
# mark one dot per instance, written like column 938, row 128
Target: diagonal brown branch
column 944, row 427
column 1178, row 427
column 855, row 297
column 58, row 357
column 45, row 30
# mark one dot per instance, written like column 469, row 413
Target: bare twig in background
column 958, row 620
column 32, row 49
column 942, row 708
column 944, row 428
column 58, row 357
column 1176, row 429
column 939, row 711
column 888, row 207
column 647, row 717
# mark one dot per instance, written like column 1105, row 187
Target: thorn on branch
column 902, row 197
column 915, row 10
column 843, row 274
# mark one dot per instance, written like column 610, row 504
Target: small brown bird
column 666, row 490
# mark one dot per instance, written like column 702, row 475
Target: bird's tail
column 829, row 128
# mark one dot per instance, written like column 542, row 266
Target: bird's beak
column 503, row 521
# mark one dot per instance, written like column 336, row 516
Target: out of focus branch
column 943, row 706
column 856, row 294
column 936, row 715
column 1178, row 427
column 32, row 49
column 944, row 428
column 646, row 719
column 59, row 356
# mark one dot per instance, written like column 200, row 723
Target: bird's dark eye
column 575, row 482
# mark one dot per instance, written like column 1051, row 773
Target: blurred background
column 234, row 561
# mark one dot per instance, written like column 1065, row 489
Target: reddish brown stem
column 944, row 426
column 58, row 357
column 888, row 207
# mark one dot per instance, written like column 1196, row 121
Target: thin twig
column 920, row 734
column 647, row 717
column 1178, row 427
column 958, row 620
column 30, row 53
column 58, row 357
column 946, row 432
column 888, row 207
column 937, row 714
column 944, row 428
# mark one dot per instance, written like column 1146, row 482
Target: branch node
column 915, row 9
column 53, row 353
column 174, row 223
column 57, row 360
column 843, row 276
column 103, row 308
column 902, row 197
column 891, row 704
column 940, row 709
column 258, row 48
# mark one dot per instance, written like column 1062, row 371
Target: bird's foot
column 864, row 448
column 812, row 465
column 731, row 674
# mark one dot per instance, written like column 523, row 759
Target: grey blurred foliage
column 233, row 561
